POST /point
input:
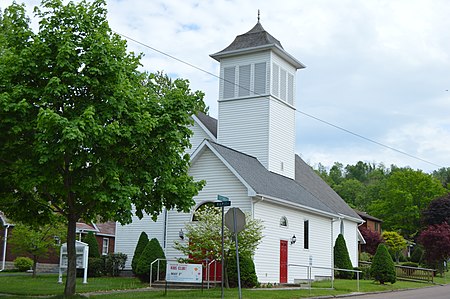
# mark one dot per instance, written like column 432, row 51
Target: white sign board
column 82, row 252
column 176, row 272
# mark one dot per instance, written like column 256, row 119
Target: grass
column 46, row 285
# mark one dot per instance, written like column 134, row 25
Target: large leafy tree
column 404, row 194
column 438, row 211
column 36, row 241
column 372, row 238
column 436, row 241
column 83, row 132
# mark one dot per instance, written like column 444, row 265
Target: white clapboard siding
column 219, row 180
column 127, row 235
column 282, row 139
column 198, row 136
column 244, row 126
column 267, row 256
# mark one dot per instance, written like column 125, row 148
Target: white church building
column 248, row 155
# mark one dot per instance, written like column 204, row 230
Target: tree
column 403, row 196
column 342, row 258
column 93, row 245
column 152, row 251
column 37, row 241
column 204, row 237
column 443, row 175
column 372, row 238
column 83, row 132
column 436, row 241
column 383, row 268
column 140, row 246
column 438, row 211
column 352, row 191
column 395, row 243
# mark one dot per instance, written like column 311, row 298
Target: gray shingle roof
column 268, row 183
column 310, row 180
column 364, row 215
column 209, row 122
column 255, row 37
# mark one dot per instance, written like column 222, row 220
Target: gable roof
column 310, row 180
column 272, row 185
column 256, row 39
column 209, row 122
column 364, row 215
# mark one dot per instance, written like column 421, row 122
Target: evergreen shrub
column 140, row 246
column 247, row 271
column 151, row 252
column 93, row 245
column 342, row 259
column 383, row 268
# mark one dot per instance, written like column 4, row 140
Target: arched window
column 283, row 221
column 202, row 207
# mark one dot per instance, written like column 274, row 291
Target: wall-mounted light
column 293, row 240
column 181, row 234
column 57, row 240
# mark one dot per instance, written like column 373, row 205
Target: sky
column 379, row 69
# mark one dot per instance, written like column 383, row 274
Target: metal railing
column 309, row 273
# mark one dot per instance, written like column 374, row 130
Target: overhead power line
column 299, row 111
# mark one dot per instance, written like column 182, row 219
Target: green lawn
column 43, row 285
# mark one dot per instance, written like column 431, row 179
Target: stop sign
column 240, row 219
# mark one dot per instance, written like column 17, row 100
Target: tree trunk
column 35, row 258
column 71, row 257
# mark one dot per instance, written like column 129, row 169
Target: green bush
column 410, row 264
column 151, row 252
column 365, row 257
column 417, row 254
column 383, row 268
column 114, row 263
column 93, row 245
column 342, row 258
column 23, row 264
column 140, row 246
column 96, row 267
column 247, row 271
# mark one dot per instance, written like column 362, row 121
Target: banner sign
column 184, row 272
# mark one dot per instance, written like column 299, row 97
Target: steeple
column 257, row 99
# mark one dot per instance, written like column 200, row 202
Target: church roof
column 209, row 122
column 256, row 39
column 307, row 190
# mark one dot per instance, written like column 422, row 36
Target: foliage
column 436, row 241
column 443, row 175
column 403, row 197
column 35, row 240
column 438, row 211
column 114, row 263
column 204, row 237
column 151, row 252
column 365, row 257
column 342, row 258
column 372, row 238
column 247, row 271
column 417, row 254
column 23, row 263
column 410, row 264
column 83, row 132
column 93, row 245
column 140, row 246
column 395, row 243
column 383, row 268
column 96, row 267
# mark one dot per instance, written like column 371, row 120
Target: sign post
column 82, row 252
column 224, row 202
column 235, row 221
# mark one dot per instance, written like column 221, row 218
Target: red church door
column 283, row 261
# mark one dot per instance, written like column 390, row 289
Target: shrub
column 342, row 258
column 23, row 264
column 382, row 268
column 365, row 257
column 151, row 252
column 96, row 267
column 247, row 271
column 93, row 245
column 410, row 264
column 114, row 263
column 140, row 246
column 417, row 254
